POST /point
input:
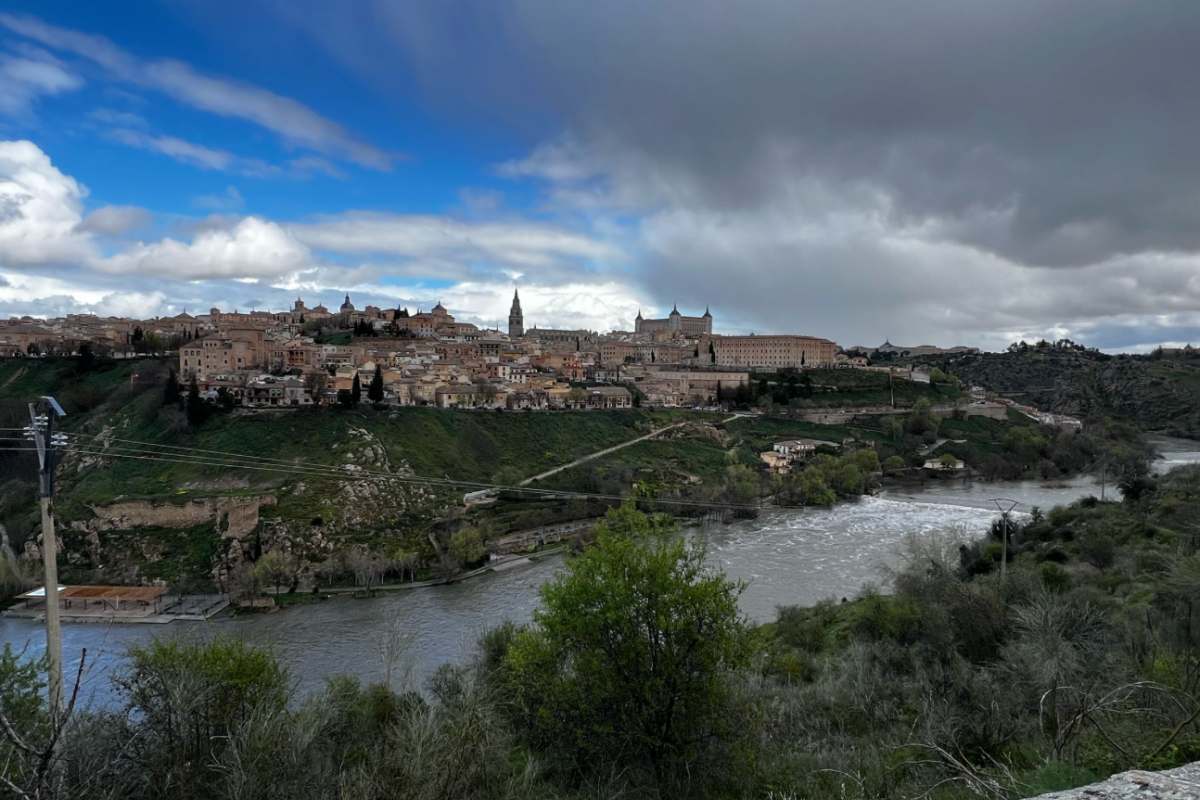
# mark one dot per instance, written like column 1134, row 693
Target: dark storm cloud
column 854, row 169
column 1068, row 118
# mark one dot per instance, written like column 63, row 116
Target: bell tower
column 516, row 320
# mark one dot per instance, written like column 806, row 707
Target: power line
column 368, row 475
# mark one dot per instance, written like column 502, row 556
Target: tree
column 948, row 461
column 87, row 357
column 315, row 383
column 467, row 547
column 741, row 485
column 171, row 390
column 630, row 658
column 355, row 391
column 813, row 489
column 921, row 419
column 279, row 569
column 375, row 390
column 197, row 411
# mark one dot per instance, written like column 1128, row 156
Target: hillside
column 145, row 495
column 174, row 506
column 1157, row 393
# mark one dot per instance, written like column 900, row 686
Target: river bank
column 785, row 556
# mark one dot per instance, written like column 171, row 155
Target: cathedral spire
column 516, row 319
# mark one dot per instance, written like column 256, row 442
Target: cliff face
column 1182, row 783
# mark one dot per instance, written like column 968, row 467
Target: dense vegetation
column 639, row 678
column 1156, row 392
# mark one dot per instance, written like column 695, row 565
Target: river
column 784, row 556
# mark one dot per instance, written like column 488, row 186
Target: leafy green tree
column 921, row 419
column 847, row 479
column 467, row 546
column 894, row 464
column 375, row 390
column 866, row 459
column 813, row 489
column 741, row 484
column 629, row 661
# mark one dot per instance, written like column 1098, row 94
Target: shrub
column 1099, row 550
column 1054, row 577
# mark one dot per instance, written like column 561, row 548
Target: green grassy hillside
column 1155, row 393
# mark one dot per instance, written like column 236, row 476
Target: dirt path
column 609, row 450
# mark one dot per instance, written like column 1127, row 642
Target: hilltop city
column 305, row 356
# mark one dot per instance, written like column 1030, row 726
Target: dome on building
column 675, row 310
column 347, row 305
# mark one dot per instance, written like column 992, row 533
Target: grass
column 845, row 388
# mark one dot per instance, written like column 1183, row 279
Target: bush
column 1054, row 577
column 1099, row 550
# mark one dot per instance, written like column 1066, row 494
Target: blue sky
column 799, row 167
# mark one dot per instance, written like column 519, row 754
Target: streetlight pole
column 41, row 430
column 1004, row 512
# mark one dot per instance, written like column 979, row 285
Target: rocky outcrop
column 235, row 517
column 1173, row 784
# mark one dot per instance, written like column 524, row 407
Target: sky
column 942, row 171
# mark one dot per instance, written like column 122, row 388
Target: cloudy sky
column 948, row 171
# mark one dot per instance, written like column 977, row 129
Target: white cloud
column 253, row 248
column 115, row 220
column 40, row 209
column 293, row 121
column 25, row 78
column 187, row 152
column 519, row 244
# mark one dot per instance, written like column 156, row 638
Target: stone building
column 230, row 351
column 570, row 341
column 675, row 323
column 783, row 351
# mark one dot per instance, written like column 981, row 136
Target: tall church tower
column 516, row 320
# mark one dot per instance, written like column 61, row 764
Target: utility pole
column 41, row 430
column 1004, row 512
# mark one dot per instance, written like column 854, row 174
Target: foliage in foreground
column 638, row 679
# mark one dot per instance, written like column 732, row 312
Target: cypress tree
column 375, row 391
column 355, row 391
column 195, row 405
column 171, row 390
